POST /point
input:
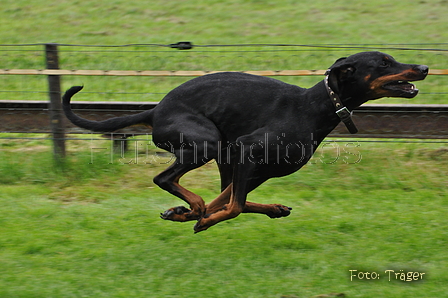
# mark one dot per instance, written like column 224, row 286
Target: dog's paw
column 205, row 222
column 199, row 226
column 279, row 211
column 179, row 213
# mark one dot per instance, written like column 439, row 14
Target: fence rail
column 373, row 121
column 169, row 73
column 379, row 121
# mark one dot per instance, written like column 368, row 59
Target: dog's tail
column 108, row 125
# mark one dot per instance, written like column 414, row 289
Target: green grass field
column 381, row 25
column 216, row 22
column 91, row 228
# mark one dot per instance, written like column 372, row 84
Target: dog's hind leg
column 169, row 181
column 194, row 141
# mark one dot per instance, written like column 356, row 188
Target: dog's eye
column 385, row 63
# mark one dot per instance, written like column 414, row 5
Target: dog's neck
column 341, row 110
column 328, row 110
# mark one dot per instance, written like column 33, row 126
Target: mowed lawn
column 93, row 229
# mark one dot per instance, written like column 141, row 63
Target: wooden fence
column 392, row 121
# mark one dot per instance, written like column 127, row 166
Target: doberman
column 254, row 127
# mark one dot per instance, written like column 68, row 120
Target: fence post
column 55, row 106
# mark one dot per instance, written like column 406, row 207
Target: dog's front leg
column 271, row 210
column 243, row 170
column 232, row 209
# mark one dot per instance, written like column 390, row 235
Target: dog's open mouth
column 402, row 88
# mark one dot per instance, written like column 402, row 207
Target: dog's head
column 372, row 75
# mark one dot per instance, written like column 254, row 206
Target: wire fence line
column 145, row 72
column 408, row 46
column 168, row 65
column 251, row 55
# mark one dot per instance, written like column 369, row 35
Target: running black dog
column 255, row 127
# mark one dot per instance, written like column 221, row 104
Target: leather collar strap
column 344, row 114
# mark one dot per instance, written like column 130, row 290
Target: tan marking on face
column 381, row 81
column 367, row 77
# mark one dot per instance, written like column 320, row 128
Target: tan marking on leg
column 218, row 203
column 197, row 206
column 195, row 201
column 271, row 210
column 230, row 210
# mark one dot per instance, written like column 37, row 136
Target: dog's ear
column 340, row 72
column 339, row 61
